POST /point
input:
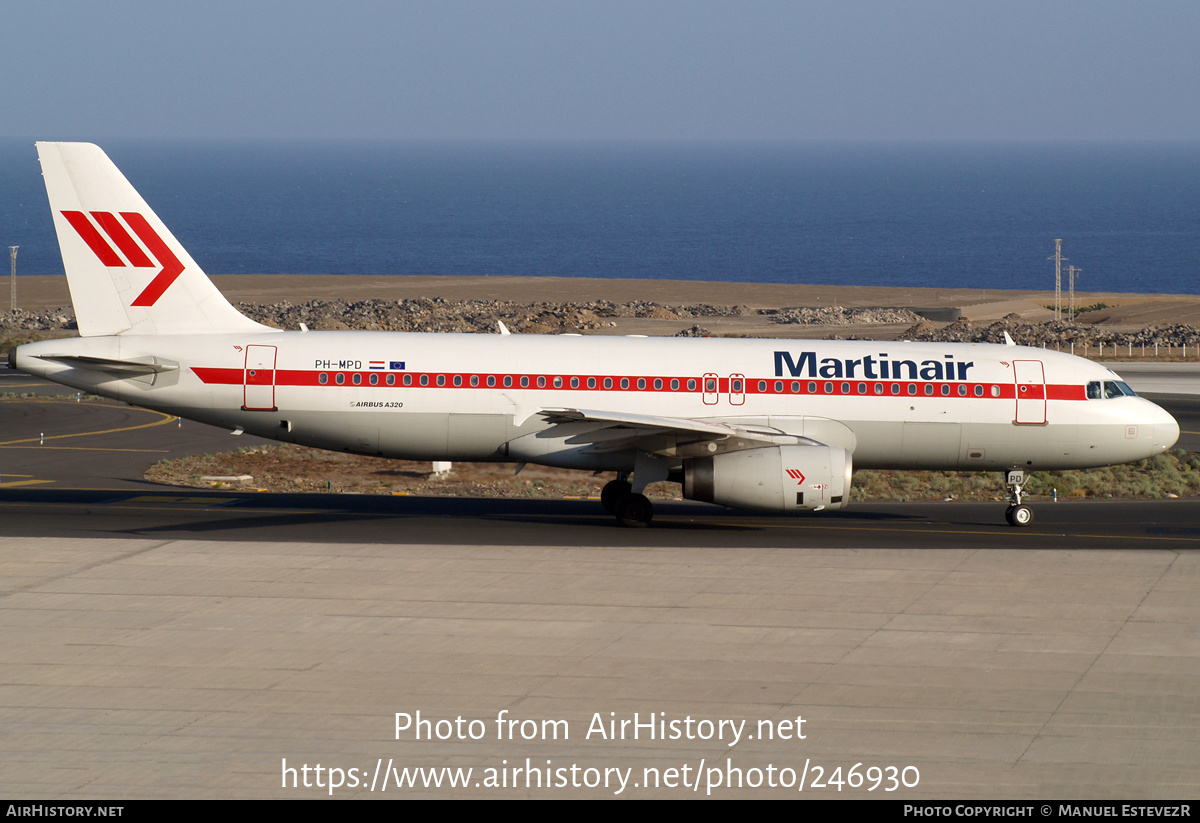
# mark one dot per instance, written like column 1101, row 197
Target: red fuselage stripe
column 751, row 386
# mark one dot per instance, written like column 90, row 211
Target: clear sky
column 605, row 69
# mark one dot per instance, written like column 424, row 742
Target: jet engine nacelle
column 774, row 478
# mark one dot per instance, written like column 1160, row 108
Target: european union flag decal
column 396, row 364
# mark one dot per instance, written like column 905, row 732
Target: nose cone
column 1164, row 426
column 1167, row 433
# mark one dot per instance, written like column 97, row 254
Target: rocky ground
column 479, row 316
column 1060, row 334
column 288, row 468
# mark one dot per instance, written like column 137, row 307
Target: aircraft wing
column 667, row 436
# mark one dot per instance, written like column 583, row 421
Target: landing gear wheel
column 634, row 510
column 613, row 491
column 1019, row 515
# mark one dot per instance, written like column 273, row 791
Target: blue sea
column 936, row 215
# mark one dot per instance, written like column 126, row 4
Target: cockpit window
column 1109, row 389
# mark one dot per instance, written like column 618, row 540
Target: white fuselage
column 480, row 397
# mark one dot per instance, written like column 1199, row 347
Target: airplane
column 769, row 425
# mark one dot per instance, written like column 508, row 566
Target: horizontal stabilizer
column 117, row 368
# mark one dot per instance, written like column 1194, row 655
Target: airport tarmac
column 171, row 643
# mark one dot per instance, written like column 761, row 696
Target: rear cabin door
column 259, row 379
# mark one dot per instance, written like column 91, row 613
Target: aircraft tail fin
column 126, row 271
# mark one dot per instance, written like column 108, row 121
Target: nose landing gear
column 1018, row 514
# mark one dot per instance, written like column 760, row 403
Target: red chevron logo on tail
column 111, row 226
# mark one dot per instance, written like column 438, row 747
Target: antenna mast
column 1058, row 261
column 1071, row 272
column 12, row 250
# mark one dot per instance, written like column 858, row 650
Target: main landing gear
column 631, row 508
column 1018, row 514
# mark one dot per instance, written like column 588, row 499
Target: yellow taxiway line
column 165, row 418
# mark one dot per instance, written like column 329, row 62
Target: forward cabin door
column 1030, row 379
column 259, row 379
